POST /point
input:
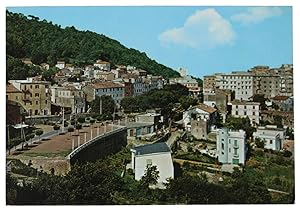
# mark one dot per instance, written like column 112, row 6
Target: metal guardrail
column 82, row 146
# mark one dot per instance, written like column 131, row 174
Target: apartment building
column 242, row 109
column 241, row 83
column 231, row 146
column 115, row 90
column 68, row 97
column 37, row 95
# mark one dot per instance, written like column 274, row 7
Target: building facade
column 159, row 155
column 241, row 83
column 231, row 146
column 243, row 109
column 115, row 90
column 36, row 95
column 68, row 97
column 270, row 136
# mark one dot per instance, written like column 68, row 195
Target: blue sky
column 204, row 40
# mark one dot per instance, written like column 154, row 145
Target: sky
column 203, row 40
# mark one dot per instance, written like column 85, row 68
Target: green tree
column 150, row 177
column 70, row 130
column 239, row 123
column 278, row 121
column 187, row 101
column 39, row 133
column 108, row 105
column 259, row 143
column 261, row 99
column 130, row 104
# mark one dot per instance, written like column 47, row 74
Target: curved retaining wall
column 99, row 147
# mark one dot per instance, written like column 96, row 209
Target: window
column 235, row 142
column 271, row 141
column 253, row 107
column 149, row 162
column 222, row 146
column 236, row 113
column 245, row 107
column 17, row 97
column 235, row 151
column 229, row 150
column 36, row 102
column 253, row 113
column 36, row 94
column 245, row 113
column 46, row 102
column 37, row 86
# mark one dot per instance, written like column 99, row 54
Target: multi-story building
column 231, row 146
column 13, row 94
column 197, row 113
column 209, row 82
column 68, row 97
column 242, row 109
column 36, row 96
column 115, row 90
column 241, row 83
column 189, row 82
column 102, row 65
column 104, row 75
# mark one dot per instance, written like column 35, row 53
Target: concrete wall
column 100, row 147
column 163, row 162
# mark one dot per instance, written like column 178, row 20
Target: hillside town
column 232, row 115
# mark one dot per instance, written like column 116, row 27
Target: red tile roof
column 280, row 98
column 106, row 85
column 11, row 89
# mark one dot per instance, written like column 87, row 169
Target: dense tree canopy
column 43, row 41
column 157, row 98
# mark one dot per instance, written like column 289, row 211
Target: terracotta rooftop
column 11, row 89
column 106, row 85
column 102, row 62
column 280, row 98
column 238, row 102
column 206, row 108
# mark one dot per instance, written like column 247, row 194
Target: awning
column 19, row 126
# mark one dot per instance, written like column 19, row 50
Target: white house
column 231, row 146
column 159, row 155
column 242, row 109
column 60, row 64
column 199, row 112
column 102, row 65
column 271, row 136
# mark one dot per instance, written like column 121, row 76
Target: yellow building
column 36, row 95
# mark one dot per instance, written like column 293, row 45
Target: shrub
column 287, row 153
column 81, row 120
column 56, row 127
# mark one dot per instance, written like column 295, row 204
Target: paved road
column 36, row 138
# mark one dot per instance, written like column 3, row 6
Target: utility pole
column 8, row 140
column 63, row 117
column 100, row 106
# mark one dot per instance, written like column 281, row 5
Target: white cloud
column 205, row 28
column 256, row 14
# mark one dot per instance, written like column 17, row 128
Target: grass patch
column 194, row 156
